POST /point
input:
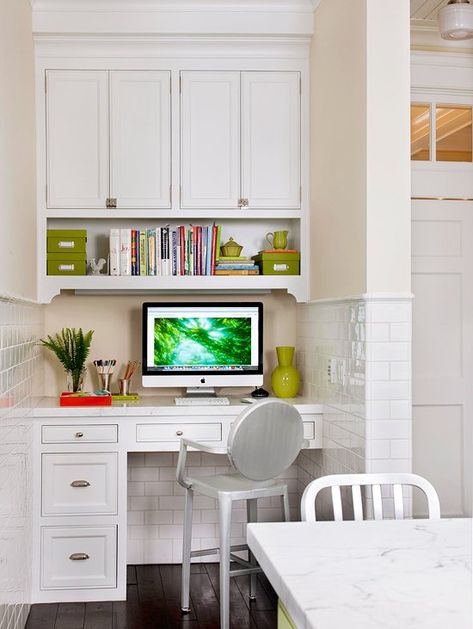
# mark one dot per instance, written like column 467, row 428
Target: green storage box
column 278, row 263
column 67, row 241
column 70, row 264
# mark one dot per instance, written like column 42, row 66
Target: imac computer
column 200, row 346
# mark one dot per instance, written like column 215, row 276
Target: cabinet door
column 140, row 139
column 210, row 139
column 77, row 138
column 270, row 144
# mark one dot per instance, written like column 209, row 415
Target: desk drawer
column 309, row 430
column 102, row 433
column 173, row 432
column 78, row 557
column 79, row 484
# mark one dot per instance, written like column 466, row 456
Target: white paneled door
column 210, row 139
column 77, row 138
column 270, row 139
column 442, row 283
column 140, row 139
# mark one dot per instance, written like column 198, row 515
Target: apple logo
column 202, row 380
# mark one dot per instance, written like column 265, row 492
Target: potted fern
column 71, row 347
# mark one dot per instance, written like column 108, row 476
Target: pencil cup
column 124, row 386
column 104, row 381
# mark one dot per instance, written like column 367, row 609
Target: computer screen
column 202, row 344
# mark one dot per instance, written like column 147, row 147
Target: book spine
column 143, row 256
column 133, row 252
column 151, row 251
column 125, row 252
column 214, row 244
column 159, row 270
column 249, row 267
column 173, row 252
column 114, row 245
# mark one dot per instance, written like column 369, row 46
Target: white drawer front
column 78, row 557
column 79, row 484
column 105, row 433
column 173, row 432
column 309, row 430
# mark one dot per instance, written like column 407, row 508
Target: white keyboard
column 202, row 401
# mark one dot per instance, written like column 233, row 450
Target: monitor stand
column 200, row 392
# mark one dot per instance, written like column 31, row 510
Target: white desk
column 80, row 480
column 369, row 575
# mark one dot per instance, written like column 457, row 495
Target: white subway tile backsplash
column 21, row 325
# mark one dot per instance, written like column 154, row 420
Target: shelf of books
column 131, row 256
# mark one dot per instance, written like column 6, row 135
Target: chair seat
column 236, row 483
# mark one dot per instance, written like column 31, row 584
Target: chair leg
column 225, row 518
column 186, row 552
column 252, row 516
column 285, row 506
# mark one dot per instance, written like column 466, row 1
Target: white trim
column 365, row 297
column 264, row 17
column 19, row 299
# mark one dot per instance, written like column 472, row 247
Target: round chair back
column 265, row 439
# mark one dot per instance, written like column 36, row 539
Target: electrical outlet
column 332, row 370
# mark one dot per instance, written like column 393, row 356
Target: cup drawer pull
column 79, row 556
column 66, row 244
column 179, row 433
column 66, row 267
column 80, row 483
column 79, row 434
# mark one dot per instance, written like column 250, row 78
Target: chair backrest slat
column 357, row 502
column 375, row 481
column 377, row 502
column 398, row 502
column 337, row 503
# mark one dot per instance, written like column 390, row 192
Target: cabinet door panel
column 140, row 141
column 210, row 139
column 270, row 119
column 77, row 138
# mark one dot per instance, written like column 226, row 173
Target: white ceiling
column 426, row 9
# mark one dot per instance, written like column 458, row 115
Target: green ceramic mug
column 277, row 240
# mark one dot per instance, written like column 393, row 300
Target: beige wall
column 360, row 169
column 338, row 149
column 117, row 324
column 17, row 151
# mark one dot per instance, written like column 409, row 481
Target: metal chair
column 375, row 481
column 264, row 440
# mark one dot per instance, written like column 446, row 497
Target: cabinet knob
column 79, row 556
column 111, row 202
column 80, row 483
column 179, row 433
column 79, row 434
column 243, row 203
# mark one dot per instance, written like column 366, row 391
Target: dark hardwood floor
column 153, row 603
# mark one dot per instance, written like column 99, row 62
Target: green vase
column 285, row 378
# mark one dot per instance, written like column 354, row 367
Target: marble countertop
column 372, row 574
column 153, row 405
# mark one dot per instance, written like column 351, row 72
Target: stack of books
column 235, row 265
column 164, row 251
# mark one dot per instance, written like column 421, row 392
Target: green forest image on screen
column 202, row 341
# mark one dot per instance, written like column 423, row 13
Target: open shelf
column 52, row 285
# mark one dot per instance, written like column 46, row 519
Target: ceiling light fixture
column 456, row 20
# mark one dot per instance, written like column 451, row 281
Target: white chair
column 375, row 481
column 264, row 440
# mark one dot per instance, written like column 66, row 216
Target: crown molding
column 165, row 17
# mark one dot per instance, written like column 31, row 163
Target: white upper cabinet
column 210, row 139
column 240, row 140
column 77, row 138
column 140, row 139
column 108, row 139
column 270, row 139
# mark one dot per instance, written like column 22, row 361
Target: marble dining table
column 383, row 574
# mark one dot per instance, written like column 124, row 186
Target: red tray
column 65, row 399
